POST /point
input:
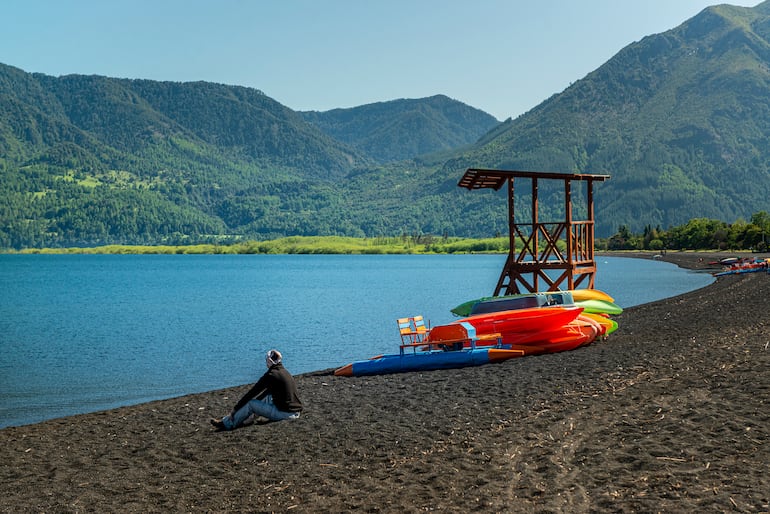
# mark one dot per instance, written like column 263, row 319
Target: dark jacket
column 278, row 383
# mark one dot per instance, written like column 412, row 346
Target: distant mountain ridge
column 680, row 120
column 403, row 129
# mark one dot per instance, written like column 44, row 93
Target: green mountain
column 680, row 120
column 403, row 129
column 92, row 160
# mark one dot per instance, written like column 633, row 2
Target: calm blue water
column 86, row 333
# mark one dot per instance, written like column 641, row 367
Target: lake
column 81, row 333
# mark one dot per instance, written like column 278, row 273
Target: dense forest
column 680, row 121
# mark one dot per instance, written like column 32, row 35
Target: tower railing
column 543, row 255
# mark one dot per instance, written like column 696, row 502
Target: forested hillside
column 679, row 120
column 91, row 160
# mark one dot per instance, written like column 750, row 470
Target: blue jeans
column 264, row 408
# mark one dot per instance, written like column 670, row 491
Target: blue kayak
column 427, row 361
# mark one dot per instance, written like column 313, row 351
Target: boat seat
column 414, row 333
column 460, row 336
column 412, row 330
column 420, row 329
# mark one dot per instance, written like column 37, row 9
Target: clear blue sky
column 501, row 56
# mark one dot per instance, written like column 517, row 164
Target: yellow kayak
column 608, row 325
column 580, row 295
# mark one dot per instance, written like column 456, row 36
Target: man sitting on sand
column 274, row 397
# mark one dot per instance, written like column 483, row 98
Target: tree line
column 696, row 234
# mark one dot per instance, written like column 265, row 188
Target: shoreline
column 669, row 413
column 44, row 410
column 34, row 418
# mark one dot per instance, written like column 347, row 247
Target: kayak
column 745, row 266
column 538, row 324
column 578, row 332
column 528, row 300
column 427, row 361
column 516, row 322
column 599, row 306
column 608, row 325
column 590, row 294
column 512, row 302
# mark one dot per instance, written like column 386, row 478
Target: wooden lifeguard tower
column 526, row 268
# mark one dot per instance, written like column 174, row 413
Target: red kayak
column 522, row 333
column 514, row 324
column 578, row 332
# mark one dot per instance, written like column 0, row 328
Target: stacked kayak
column 533, row 331
column 495, row 329
column 513, row 302
column 564, row 320
column 735, row 266
column 597, row 305
column 606, row 324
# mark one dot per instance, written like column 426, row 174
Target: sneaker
column 218, row 424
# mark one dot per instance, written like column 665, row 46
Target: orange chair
column 419, row 328
column 413, row 332
column 405, row 330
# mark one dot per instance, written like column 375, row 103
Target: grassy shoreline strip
column 298, row 245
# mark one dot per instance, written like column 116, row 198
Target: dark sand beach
column 670, row 414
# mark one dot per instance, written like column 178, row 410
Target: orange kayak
column 535, row 319
column 578, row 332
